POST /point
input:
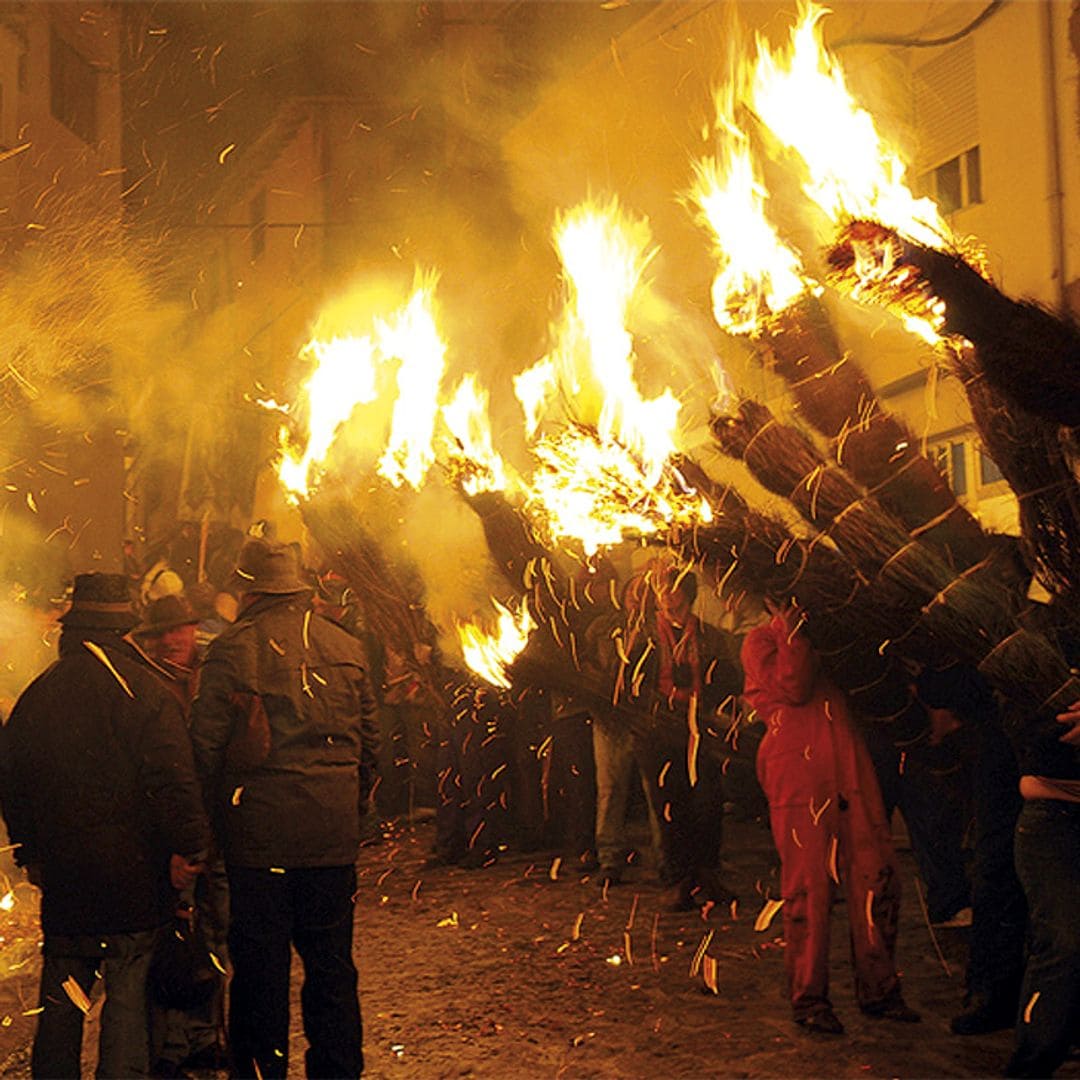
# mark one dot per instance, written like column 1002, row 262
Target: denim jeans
column 1048, row 863
column 616, row 769
column 311, row 908
column 123, row 961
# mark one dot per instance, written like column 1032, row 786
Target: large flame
column 854, row 175
column 800, row 93
column 473, row 459
column 604, row 475
column 412, row 337
column 759, row 275
column 342, row 378
column 604, row 253
column 489, row 654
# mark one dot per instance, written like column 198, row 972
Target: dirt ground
column 527, row 969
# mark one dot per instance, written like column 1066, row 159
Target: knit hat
column 265, row 566
column 166, row 614
column 101, row 601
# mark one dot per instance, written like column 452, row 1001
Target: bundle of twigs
column 392, row 606
column 745, row 549
column 878, row 449
column 935, row 614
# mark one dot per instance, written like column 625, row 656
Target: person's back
column 286, row 744
column 100, row 796
column 301, row 788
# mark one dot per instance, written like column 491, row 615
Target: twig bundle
column 393, row 612
column 879, row 451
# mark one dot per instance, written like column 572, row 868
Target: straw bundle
column 391, row 606
column 879, row 451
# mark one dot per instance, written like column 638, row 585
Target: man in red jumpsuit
column 829, row 826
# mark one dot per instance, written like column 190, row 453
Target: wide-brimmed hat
column 101, row 601
column 165, row 614
column 265, row 566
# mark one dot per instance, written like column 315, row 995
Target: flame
column 759, row 274
column 412, row 337
column 535, row 387
column 343, row 377
column 604, row 475
column 489, row 655
column 801, row 95
column 478, row 466
column 597, row 492
column 604, row 253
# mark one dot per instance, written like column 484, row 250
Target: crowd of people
column 215, row 756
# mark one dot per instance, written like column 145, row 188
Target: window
column 73, row 89
column 989, row 473
column 955, row 183
column 951, row 461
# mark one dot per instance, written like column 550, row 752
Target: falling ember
column 474, row 461
column 758, row 275
column 489, row 655
column 1029, row 1007
column 76, row 994
column 343, row 377
column 413, row 338
column 767, row 914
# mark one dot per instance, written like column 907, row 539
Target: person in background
column 963, row 711
column 828, row 823
column 99, row 792
column 687, row 669
column 194, row 1038
column 286, row 744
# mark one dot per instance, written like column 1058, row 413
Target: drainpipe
column 1056, row 194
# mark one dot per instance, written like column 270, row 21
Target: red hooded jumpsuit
column 828, row 821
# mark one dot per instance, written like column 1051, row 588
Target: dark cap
column 265, row 566
column 101, row 601
column 166, row 613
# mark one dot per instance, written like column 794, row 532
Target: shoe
column 823, row 1022
column 893, row 1008
column 959, row 919
column 984, row 1013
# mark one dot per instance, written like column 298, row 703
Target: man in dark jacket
column 100, row 795
column 286, row 744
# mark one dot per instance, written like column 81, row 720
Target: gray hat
column 102, row 602
column 265, row 566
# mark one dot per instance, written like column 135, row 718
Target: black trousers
column 311, row 908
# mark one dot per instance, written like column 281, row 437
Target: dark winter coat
column 98, row 788
column 294, row 797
